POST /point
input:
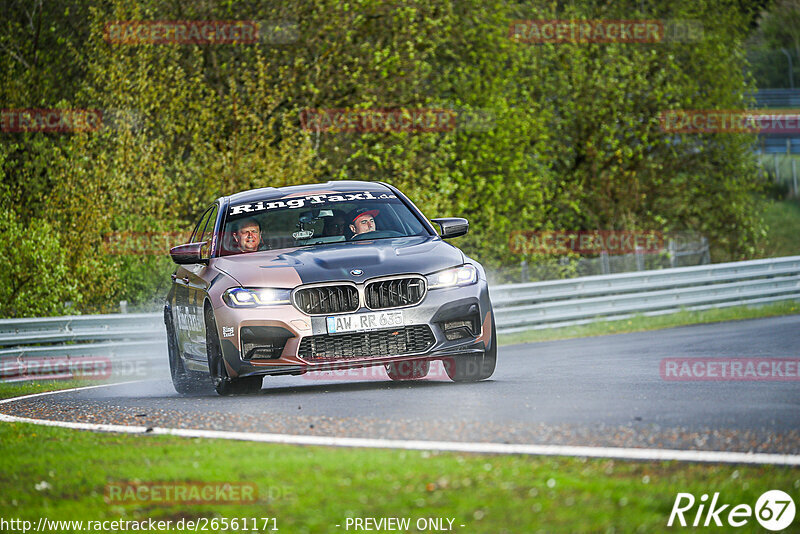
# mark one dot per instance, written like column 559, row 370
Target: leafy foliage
column 569, row 137
column 34, row 278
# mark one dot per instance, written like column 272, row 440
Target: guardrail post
column 123, row 306
column 671, row 249
column 524, row 271
column 604, row 262
column 639, row 258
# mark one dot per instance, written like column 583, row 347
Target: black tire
column 224, row 384
column 473, row 367
column 408, row 370
column 184, row 381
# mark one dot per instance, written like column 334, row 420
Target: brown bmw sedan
column 282, row 281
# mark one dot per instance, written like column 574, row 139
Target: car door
column 190, row 333
column 199, row 278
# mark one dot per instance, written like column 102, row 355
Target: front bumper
column 440, row 307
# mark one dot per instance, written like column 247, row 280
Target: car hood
column 335, row 261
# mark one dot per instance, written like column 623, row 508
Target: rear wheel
column 408, row 370
column 224, row 384
column 473, row 367
column 184, row 381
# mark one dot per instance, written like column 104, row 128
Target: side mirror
column 188, row 254
column 452, row 226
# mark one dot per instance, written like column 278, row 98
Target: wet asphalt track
column 602, row 391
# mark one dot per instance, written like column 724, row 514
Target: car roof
column 339, row 186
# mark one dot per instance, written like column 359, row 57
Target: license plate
column 362, row 322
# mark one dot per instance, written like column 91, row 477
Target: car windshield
column 315, row 219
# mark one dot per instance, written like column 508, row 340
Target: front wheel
column 184, row 381
column 224, row 384
column 473, row 367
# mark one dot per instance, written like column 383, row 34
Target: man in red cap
column 363, row 221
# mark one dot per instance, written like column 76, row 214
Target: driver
column 247, row 235
column 362, row 220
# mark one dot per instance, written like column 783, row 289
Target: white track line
column 625, row 453
column 82, row 388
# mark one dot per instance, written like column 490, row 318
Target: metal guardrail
column 141, row 338
column 124, row 343
column 80, row 328
column 619, row 296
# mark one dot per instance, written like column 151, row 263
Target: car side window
column 201, row 224
column 208, row 231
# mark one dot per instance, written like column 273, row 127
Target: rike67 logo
column 774, row 510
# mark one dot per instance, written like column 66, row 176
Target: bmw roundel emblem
column 356, row 272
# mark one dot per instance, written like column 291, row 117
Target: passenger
column 335, row 225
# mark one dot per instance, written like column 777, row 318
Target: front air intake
column 263, row 342
column 326, row 347
column 322, row 300
column 394, row 292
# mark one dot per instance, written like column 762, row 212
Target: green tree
column 571, row 139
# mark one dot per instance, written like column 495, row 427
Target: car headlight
column 458, row 276
column 244, row 297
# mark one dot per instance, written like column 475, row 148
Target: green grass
column 783, row 228
column 640, row 323
column 17, row 389
column 62, row 474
